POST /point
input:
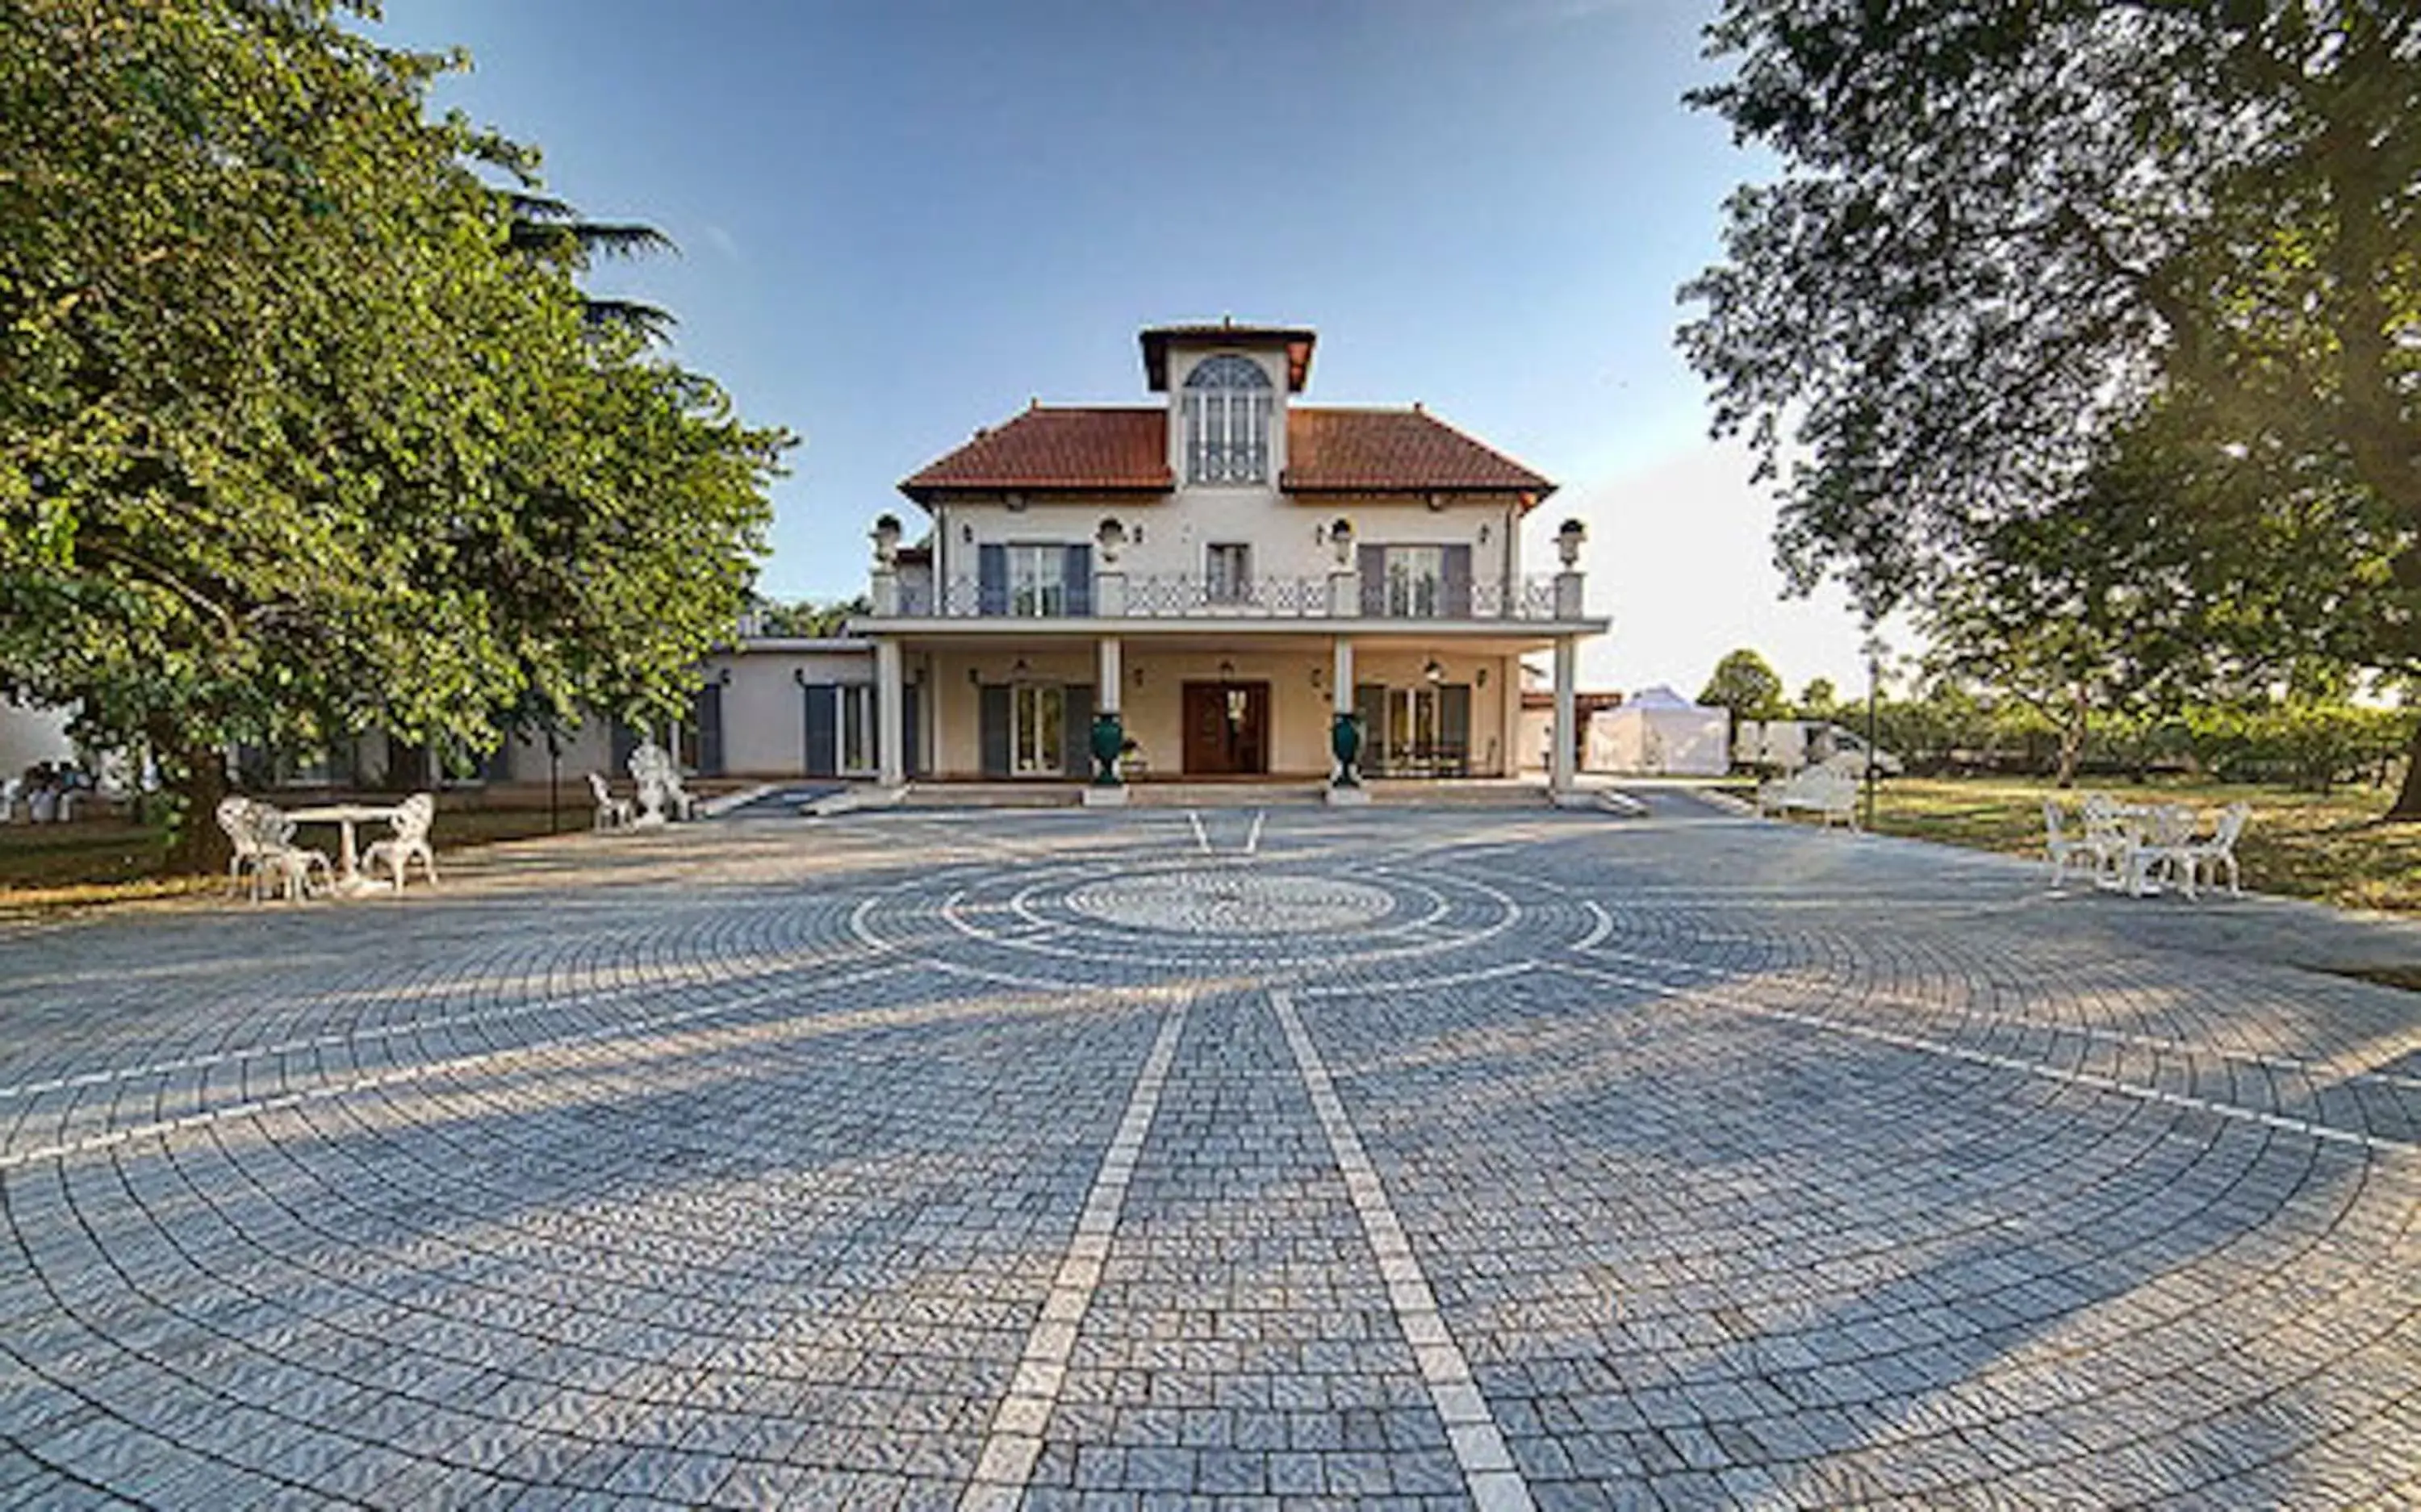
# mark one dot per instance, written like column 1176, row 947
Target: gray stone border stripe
column 1015, row 1440
column 1488, row 1468
column 2329, row 1132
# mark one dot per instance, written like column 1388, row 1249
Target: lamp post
column 1875, row 650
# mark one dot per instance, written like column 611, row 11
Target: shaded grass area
column 110, row 859
column 2331, row 847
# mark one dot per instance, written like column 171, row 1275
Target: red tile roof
column 1082, row 450
column 1126, row 450
column 1395, row 451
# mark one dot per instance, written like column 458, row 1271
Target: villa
column 1224, row 572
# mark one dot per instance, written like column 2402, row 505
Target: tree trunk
column 200, row 847
column 2408, row 800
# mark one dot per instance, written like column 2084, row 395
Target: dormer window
column 1227, row 421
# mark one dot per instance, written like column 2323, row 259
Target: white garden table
column 350, row 880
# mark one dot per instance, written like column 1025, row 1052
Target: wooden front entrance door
column 1227, row 728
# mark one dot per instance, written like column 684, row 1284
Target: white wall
column 764, row 712
column 31, row 733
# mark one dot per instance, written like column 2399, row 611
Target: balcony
column 1531, row 601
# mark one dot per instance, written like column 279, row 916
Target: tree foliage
column 1745, row 684
column 293, row 441
column 2008, row 238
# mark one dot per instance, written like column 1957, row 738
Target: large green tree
column 293, row 441
column 1745, row 683
column 2003, row 236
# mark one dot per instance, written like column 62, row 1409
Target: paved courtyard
column 1230, row 1158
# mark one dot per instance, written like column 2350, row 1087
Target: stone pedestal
column 1106, row 797
column 1348, row 797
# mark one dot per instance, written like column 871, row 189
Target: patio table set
column 2143, row 850
column 262, row 835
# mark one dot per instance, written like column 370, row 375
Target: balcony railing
column 1195, row 598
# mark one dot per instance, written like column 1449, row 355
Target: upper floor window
column 1037, row 582
column 1227, row 406
column 1227, row 571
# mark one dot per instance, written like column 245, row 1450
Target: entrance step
column 1298, row 794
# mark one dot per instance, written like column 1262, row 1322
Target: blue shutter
column 1076, row 736
column 992, row 722
column 1456, row 587
column 1080, row 580
column 1454, row 727
column 1372, row 560
column 706, row 717
column 992, row 580
column 823, row 730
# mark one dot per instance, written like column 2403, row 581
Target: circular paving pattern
column 1231, row 901
column 1054, row 1161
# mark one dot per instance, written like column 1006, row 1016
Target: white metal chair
column 244, row 834
column 2197, row 857
column 263, row 839
column 411, row 838
column 612, row 813
column 2067, row 850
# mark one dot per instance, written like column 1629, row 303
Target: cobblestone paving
column 1219, row 1159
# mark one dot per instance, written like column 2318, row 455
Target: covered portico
column 1241, row 700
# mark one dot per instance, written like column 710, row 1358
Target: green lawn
column 106, row 859
column 2331, row 846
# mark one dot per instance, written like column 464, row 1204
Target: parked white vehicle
column 1786, row 745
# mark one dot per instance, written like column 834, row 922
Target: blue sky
column 901, row 221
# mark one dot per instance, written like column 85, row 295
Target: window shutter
column 992, row 580
column 992, row 717
column 1372, row 560
column 1076, row 736
column 1370, row 703
column 1457, row 590
column 706, row 717
column 823, row 730
column 1454, row 726
column 1080, row 580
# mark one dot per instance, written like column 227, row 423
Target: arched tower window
column 1227, row 421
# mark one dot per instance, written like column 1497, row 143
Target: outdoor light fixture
column 1138, row 677
column 1226, row 670
column 975, row 678
column 1433, row 672
column 1568, row 541
column 1480, row 677
column 1111, row 538
column 1315, row 675
column 966, row 533
column 1483, row 533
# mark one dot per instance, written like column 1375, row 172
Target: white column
column 1559, row 761
column 1341, row 677
column 890, row 702
column 1105, row 691
column 1344, row 593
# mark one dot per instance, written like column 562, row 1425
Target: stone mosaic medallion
column 1232, row 902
